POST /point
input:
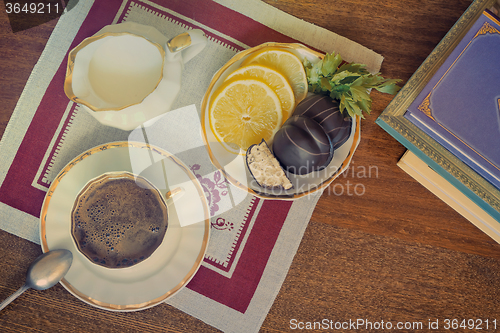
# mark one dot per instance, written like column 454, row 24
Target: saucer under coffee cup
column 171, row 266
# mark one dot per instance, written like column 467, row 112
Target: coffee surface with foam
column 119, row 221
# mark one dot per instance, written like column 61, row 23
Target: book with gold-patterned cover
column 460, row 105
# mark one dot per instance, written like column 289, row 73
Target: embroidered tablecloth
column 253, row 241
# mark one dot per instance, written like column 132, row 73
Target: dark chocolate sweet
column 302, row 146
column 325, row 111
column 265, row 168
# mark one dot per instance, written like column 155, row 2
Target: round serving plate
column 233, row 165
column 173, row 263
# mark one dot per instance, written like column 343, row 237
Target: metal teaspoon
column 46, row 271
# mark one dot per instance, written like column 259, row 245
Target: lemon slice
column 274, row 79
column 242, row 112
column 287, row 64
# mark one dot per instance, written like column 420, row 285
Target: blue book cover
column 460, row 106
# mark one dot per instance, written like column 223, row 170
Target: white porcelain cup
column 119, row 219
column 127, row 73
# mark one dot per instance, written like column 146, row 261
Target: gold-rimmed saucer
column 169, row 268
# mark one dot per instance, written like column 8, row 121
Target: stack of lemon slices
column 256, row 99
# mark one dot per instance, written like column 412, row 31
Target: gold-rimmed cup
column 128, row 73
column 119, row 219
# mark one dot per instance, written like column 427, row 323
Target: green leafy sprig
column 349, row 83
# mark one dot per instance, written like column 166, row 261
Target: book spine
column 436, row 167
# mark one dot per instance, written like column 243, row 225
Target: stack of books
column 448, row 116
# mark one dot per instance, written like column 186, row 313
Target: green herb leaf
column 330, row 63
column 350, row 83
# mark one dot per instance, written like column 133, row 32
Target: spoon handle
column 13, row 296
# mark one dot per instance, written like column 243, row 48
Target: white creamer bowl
column 127, row 74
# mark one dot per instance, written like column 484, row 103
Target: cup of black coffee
column 119, row 219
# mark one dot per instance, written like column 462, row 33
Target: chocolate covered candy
column 302, row 146
column 325, row 111
column 265, row 169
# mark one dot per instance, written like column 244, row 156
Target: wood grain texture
column 391, row 251
column 341, row 274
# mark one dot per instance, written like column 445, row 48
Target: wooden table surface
column 390, row 252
